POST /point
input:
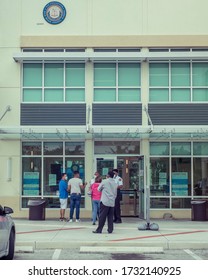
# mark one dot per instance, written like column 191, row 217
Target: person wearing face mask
column 63, row 195
column 92, row 181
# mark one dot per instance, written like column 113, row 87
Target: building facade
column 94, row 85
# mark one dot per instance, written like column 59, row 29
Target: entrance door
column 103, row 165
column 131, row 169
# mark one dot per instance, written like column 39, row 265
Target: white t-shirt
column 118, row 180
column 75, row 184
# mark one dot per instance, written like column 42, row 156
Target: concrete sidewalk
column 53, row 234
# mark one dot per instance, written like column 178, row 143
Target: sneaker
column 70, row 221
column 61, row 219
column 78, row 220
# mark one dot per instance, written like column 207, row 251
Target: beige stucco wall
column 98, row 17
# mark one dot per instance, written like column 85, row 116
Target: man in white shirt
column 117, row 208
column 75, row 185
column 108, row 188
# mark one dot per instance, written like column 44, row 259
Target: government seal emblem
column 54, row 12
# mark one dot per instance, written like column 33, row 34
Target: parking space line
column 56, row 254
column 192, row 254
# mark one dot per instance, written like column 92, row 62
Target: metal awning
column 159, row 133
column 103, row 56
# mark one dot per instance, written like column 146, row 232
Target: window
column 117, row 147
column 178, row 81
column 117, row 82
column 53, row 82
column 42, row 165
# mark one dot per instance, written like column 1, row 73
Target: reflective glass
column 200, row 148
column 180, row 148
column 32, row 74
column 75, row 95
column 31, row 176
column 159, row 177
column 31, row 148
column 32, row 95
column 158, row 95
column 200, row 73
column 129, row 95
column 159, row 74
column 53, row 148
column 180, row 74
column 53, row 74
column 159, row 148
column 180, row 95
column 104, row 95
column 129, row 74
column 74, row 148
column 105, row 74
column 53, row 95
column 75, row 74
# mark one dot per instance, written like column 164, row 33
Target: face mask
column 66, row 178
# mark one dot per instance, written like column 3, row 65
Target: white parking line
column 56, row 254
column 192, row 254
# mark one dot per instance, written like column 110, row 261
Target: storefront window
column 159, row 203
column 200, row 149
column 159, row 177
column 31, row 176
column 53, row 148
column 53, row 167
column 200, row 169
column 180, row 148
column 42, row 165
column 74, row 164
column 181, row 176
column 31, row 148
column 74, row 148
column 117, row 147
column 159, row 148
column 181, row 203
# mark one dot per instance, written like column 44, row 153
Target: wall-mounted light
column 9, row 169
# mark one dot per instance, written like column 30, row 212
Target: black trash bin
column 37, row 209
column 198, row 210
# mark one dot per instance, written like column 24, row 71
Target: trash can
column 198, row 210
column 37, row 209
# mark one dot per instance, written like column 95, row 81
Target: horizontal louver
column 178, row 114
column 53, row 114
column 117, row 114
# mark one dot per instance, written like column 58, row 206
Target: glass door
column 131, row 169
column 104, row 164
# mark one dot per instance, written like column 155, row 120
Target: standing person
column 96, row 195
column 92, row 181
column 108, row 188
column 63, row 195
column 117, row 209
column 75, row 185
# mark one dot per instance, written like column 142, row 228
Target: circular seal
column 54, row 12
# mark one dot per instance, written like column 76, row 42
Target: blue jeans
column 75, row 200
column 95, row 209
